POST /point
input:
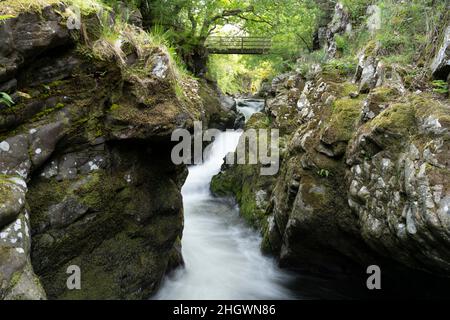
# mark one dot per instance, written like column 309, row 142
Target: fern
column 440, row 86
column 6, row 99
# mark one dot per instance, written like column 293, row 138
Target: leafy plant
column 356, row 8
column 341, row 43
column 344, row 66
column 324, row 173
column 3, row 18
column 440, row 86
column 6, row 99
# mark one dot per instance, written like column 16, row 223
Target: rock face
column 399, row 183
column 440, row 67
column 364, row 177
column 18, row 44
column 371, row 72
column 339, row 24
column 17, row 279
column 86, row 176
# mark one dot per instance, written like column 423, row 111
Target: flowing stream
column 221, row 253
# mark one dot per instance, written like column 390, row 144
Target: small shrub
column 345, row 66
column 356, row 8
column 341, row 43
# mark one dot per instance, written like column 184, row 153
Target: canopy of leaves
column 291, row 22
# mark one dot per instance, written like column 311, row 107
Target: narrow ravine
column 222, row 254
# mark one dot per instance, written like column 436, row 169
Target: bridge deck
column 238, row 45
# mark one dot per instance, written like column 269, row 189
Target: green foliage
column 356, row 8
column 3, row 18
column 324, row 173
column 440, row 86
column 6, row 99
column 14, row 7
column 405, row 27
column 290, row 23
column 342, row 67
column 295, row 23
column 242, row 74
column 306, row 62
column 341, row 43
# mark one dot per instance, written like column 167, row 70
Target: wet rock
column 227, row 102
column 103, row 217
column 369, row 171
column 220, row 109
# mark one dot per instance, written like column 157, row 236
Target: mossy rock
column 343, row 120
column 123, row 238
column 399, row 119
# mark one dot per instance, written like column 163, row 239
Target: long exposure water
column 222, row 254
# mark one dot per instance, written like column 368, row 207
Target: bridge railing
column 255, row 45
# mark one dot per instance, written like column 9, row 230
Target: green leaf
column 6, row 99
column 6, row 17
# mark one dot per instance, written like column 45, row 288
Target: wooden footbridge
column 239, row 45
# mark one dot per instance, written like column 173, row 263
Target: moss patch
column 343, row 121
column 399, row 118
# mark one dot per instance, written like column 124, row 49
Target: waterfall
column 222, row 254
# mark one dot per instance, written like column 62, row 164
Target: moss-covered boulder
column 399, row 182
column 89, row 138
column 17, row 278
column 364, row 178
column 117, row 218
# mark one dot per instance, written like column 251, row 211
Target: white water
column 222, row 254
column 249, row 107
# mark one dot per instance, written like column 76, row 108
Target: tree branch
column 306, row 43
column 260, row 20
column 193, row 22
column 223, row 15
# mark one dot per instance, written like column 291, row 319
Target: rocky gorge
column 85, row 158
column 86, row 176
column 365, row 167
